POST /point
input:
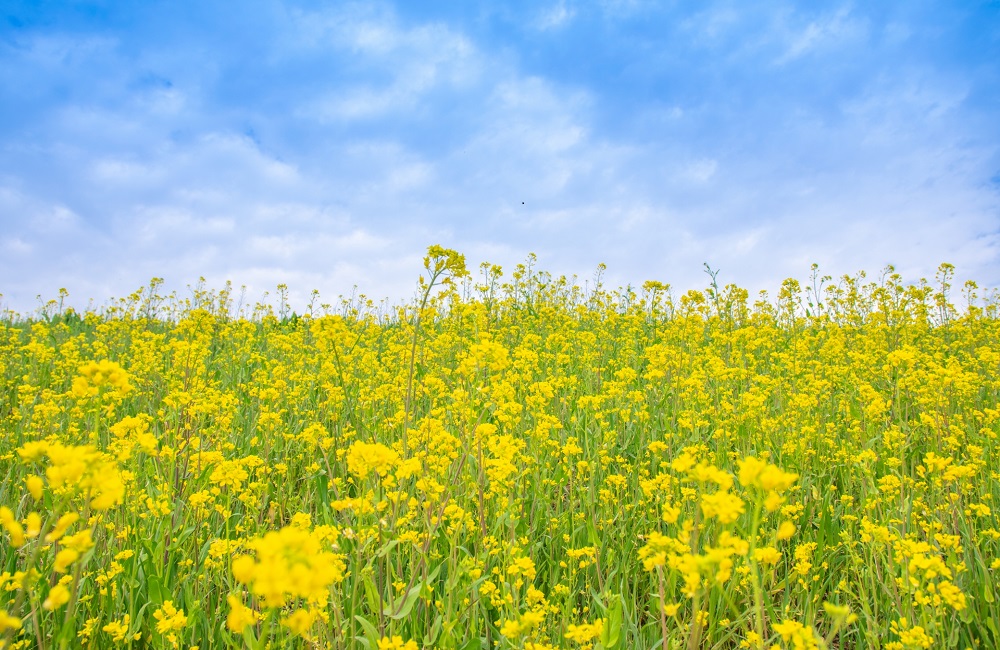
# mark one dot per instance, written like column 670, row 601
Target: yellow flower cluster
column 512, row 461
column 585, row 633
column 396, row 643
column 82, row 470
column 364, row 458
column 291, row 563
column 98, row 375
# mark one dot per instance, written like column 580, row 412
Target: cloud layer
column 326, row 148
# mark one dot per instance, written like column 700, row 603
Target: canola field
column 511, row 461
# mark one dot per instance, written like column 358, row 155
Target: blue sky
column 326, row 145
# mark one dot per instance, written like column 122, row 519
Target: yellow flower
column 396, row 643
column 240, row 615
column 773, row 501
column 586, row 632
column 914, row 637
column 683, row 463
column 725, row 506
column 32, row 451
column 33, row 523
column 169, row 618
column 786, row 530
column 952, row 595
column 290, row 563
column 62, row 525
column 86, row 470
column 754, row 472
column 840, row 614
column 767, row 555
column 522, row 566
column 35, row 486
column 229, row 473
column 802, row 638
column 64, row 558
column 80, row 542
column 445, row 260
column 774, row 479
column 99, row 374
column 8, row 622
column 750, row 469
column 118, row 631
column 12, row 526
column 363, row 458
column 58, row 596
column 524, row 624
column 299, row 621
column 243, row 568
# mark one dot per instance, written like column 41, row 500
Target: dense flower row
column 509, row 462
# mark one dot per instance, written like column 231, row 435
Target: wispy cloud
column 838, row 30
column 554, row 16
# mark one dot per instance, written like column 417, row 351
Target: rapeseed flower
column 585, row 632
column 364, row 458
column 119, row 631
column 96, row 375
column 512, row 447
column 290, row 563
column 8, row 622
column 396, row 643
column 169, row 618
column 35, row 486
column 57, row 597
column 240, row 616
column 14, row 529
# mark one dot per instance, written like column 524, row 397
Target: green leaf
column 611, row 636
column 451, row 582
column 323, row 489
column 432, row 636
column 404, row 604
column 371, row 591
column 371, row 634
column 446, row 640
column 155, row 589
column 249, row 639
column 388, row 546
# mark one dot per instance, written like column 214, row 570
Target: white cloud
column 787, row 32
column 713, row 24
column 554, row 16
column 359, row 103
column 838, row 29
column 156, row 225
column 625, row 8
column 410, row 177
column 416, row 61
column 116, row 171
column 699, row 171
column 162, row 102
column 54, row 52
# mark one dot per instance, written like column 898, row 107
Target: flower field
column 511, row 461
